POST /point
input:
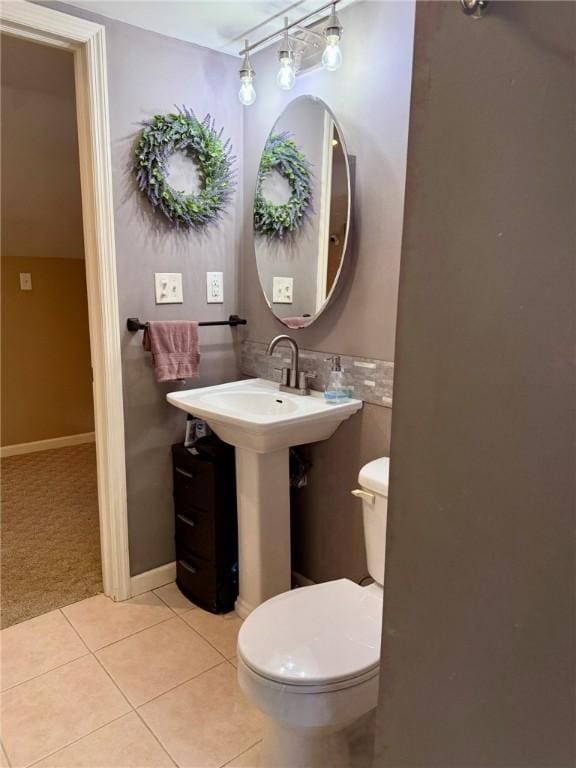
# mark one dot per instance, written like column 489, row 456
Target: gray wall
column 328, row 535
column 148, row 74
column 478, row 643
column 370, row 96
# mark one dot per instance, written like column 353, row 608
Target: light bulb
column 247, row 92
column 332, row 56
column 286, row 76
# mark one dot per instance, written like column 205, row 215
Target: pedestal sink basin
column 262, row 423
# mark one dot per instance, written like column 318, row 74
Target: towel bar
column 134, row 324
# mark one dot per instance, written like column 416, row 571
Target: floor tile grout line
column 46, row 672
column 88, row 651
column 93, row 654
column 137, row 632
column 114, row 683
column 241, row 753
column 132, row 708
column 154, row 591
column 84, row 643
column 206, row 639
column 156, row 739
column 5, row 753
column 75, row 741
column 141, row 706
column 183, row 682
column 159, row 740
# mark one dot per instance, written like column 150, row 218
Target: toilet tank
column 373, row 480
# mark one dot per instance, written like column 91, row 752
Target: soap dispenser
column 337, row 390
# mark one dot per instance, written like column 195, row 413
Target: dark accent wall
column 478, row 664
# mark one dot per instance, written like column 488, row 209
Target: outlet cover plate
column 215, row 287
column 282, row 289
column 168, row 287
column 25, row 281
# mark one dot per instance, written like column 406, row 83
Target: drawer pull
column 186, row 520
column 189, row 568
column 185, row 473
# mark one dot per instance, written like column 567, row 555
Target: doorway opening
column 92, row 287
column 50, row 549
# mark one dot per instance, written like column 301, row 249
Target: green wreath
column 276, row 221
column 183, row 132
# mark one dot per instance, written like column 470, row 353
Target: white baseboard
column 153, row 579
column 46, row 445
column 165, row 574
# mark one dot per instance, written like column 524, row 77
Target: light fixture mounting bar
column 280, row 32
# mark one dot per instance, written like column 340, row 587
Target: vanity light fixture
column 247, row 92
column 332, row 56
column 286, row 76
column 303, row 38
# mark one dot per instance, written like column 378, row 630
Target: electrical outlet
column 215, row 287
column 282, row 289
column 168, row 287
column 25, row 281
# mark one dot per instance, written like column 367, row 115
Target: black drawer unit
column 206, row 528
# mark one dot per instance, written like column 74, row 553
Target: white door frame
column 87, row 42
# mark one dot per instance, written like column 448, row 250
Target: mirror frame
column 335, row 285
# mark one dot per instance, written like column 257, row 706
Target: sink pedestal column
column 263, row 494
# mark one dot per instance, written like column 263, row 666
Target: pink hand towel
column 296, row 322
column 174, row 347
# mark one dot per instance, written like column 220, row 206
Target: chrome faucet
column 292, row 379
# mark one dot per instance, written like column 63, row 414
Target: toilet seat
column 315, row 639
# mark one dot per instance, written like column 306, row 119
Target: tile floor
column 147, row 683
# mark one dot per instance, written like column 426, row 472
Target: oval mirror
column 302, row 212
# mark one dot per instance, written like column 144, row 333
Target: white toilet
column 309, row 659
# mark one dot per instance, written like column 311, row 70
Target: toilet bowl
column 309, row 659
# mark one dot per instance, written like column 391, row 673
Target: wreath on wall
column 181, row 131
column 279, row 220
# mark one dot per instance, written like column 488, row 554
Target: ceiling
column 219, row 24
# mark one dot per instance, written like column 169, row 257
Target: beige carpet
column 50, row 546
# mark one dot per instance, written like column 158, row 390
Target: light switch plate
column 215, row 287
column 25, row 281
column 282, row 289
column 168, row 287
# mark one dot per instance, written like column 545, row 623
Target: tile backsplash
column 371, row 379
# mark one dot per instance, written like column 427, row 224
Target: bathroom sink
column 254, row 414
column 262, row 423
column 258, row 404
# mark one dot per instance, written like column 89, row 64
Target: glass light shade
column 332, row 56
column 247, row 92
column 286, row 77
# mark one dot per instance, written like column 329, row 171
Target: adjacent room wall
column 478, row 663
column 46, row 373
column 148, row 74
column 370, row 96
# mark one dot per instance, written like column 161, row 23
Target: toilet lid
column 315, row 635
